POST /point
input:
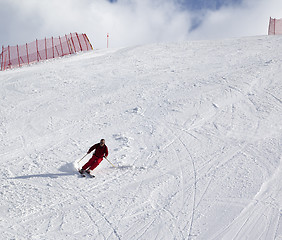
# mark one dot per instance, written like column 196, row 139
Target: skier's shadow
column 46, row 175
column 66, row 170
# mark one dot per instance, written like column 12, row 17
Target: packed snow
column 193, row 129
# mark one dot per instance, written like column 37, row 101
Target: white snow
column 194, row 129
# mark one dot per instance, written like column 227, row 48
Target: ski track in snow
column 194, row 129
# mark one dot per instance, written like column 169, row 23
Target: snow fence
column 16, row 56
column 275, row 26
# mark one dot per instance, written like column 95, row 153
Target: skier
column 101, row 150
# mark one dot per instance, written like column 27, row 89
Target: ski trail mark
column 195, row 188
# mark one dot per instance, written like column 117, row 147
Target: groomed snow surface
column 194, row 129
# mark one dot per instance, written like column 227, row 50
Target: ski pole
column 110, row 162
column 82, row 158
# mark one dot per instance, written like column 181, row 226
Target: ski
column 82, row 173
column 90, row 175
column 85, row 173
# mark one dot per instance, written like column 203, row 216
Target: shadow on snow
column 67, row 169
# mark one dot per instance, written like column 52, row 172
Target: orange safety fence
column 16, row 56
column 275, row 26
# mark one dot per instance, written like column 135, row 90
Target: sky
column 135, row 22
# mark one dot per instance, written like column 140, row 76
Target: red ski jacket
column 100, row 151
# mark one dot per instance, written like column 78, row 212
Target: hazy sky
column 133, row 22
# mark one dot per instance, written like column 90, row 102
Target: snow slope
column 194, row 129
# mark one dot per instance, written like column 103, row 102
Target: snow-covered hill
column 194, row 129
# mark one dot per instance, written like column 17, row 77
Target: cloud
column 250, row 18
column 131, row 22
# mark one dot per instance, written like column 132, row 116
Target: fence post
column 27, row 53
column 61, row 46
column 2, row 57
column 37, row 50
column 46, row 48
column 269, row 26
column 89, row 42
column 5, row 62
column 73, row 43
column 53, row 47
column 85, row 41
column 57, row 51
column 79, row 42
column 9, row 55
column 18, row 55
column 67, row 43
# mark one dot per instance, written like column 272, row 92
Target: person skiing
column 101, row 150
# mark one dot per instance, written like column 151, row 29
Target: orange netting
column 15, row 56
column 275, row 26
